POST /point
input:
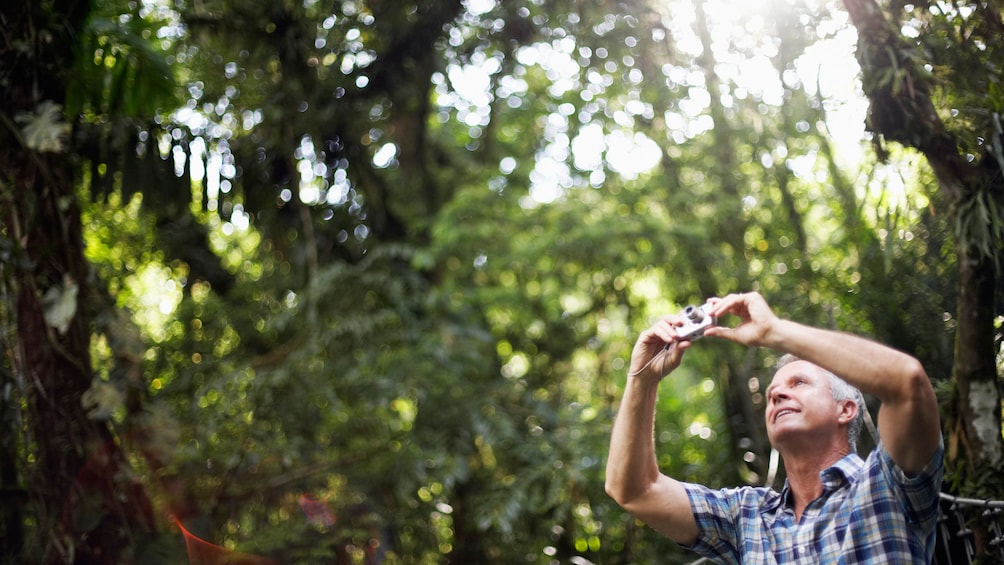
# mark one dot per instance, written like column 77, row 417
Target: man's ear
column 848, row 411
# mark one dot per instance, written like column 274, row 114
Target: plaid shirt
column 869, row 512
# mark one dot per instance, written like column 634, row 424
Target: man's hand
column 757, row 320
column 658, row 350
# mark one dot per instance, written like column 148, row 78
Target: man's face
column 800, row 404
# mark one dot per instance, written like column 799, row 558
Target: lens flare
column 201, row 552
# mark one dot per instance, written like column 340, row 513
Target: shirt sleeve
column 918, row 494
column 717, row 512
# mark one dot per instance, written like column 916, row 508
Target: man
column 834, row 507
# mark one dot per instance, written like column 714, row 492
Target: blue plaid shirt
column 869, row 512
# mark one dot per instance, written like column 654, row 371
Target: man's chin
column 781, row 433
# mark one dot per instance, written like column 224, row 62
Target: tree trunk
column 467, row 545
column 12, row 493
column 86, row 503
column 975, row 437
column 744, row 417
column 86, row 498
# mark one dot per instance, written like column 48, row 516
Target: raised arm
column 633, row 476
column 908, row 420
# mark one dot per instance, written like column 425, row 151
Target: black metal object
column 957, row 517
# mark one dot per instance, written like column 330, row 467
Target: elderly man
column 834, row 506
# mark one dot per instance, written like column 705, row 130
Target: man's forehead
column 799, row 368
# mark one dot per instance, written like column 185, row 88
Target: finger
column 666, row 329
column 731, row 303
column 658, row 363
column 676, row 352
column 671, row 358
column 718, row 331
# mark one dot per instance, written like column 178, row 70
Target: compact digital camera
column 696, row 319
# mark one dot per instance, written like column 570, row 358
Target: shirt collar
column 833, row 477
column 841, row 472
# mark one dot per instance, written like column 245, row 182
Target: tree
column 929, row 76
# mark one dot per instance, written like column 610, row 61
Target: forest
column 357, row 281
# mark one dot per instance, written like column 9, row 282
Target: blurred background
column 320, row 281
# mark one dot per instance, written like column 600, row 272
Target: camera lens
column 694, row 313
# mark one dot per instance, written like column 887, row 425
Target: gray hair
column 842, row 390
